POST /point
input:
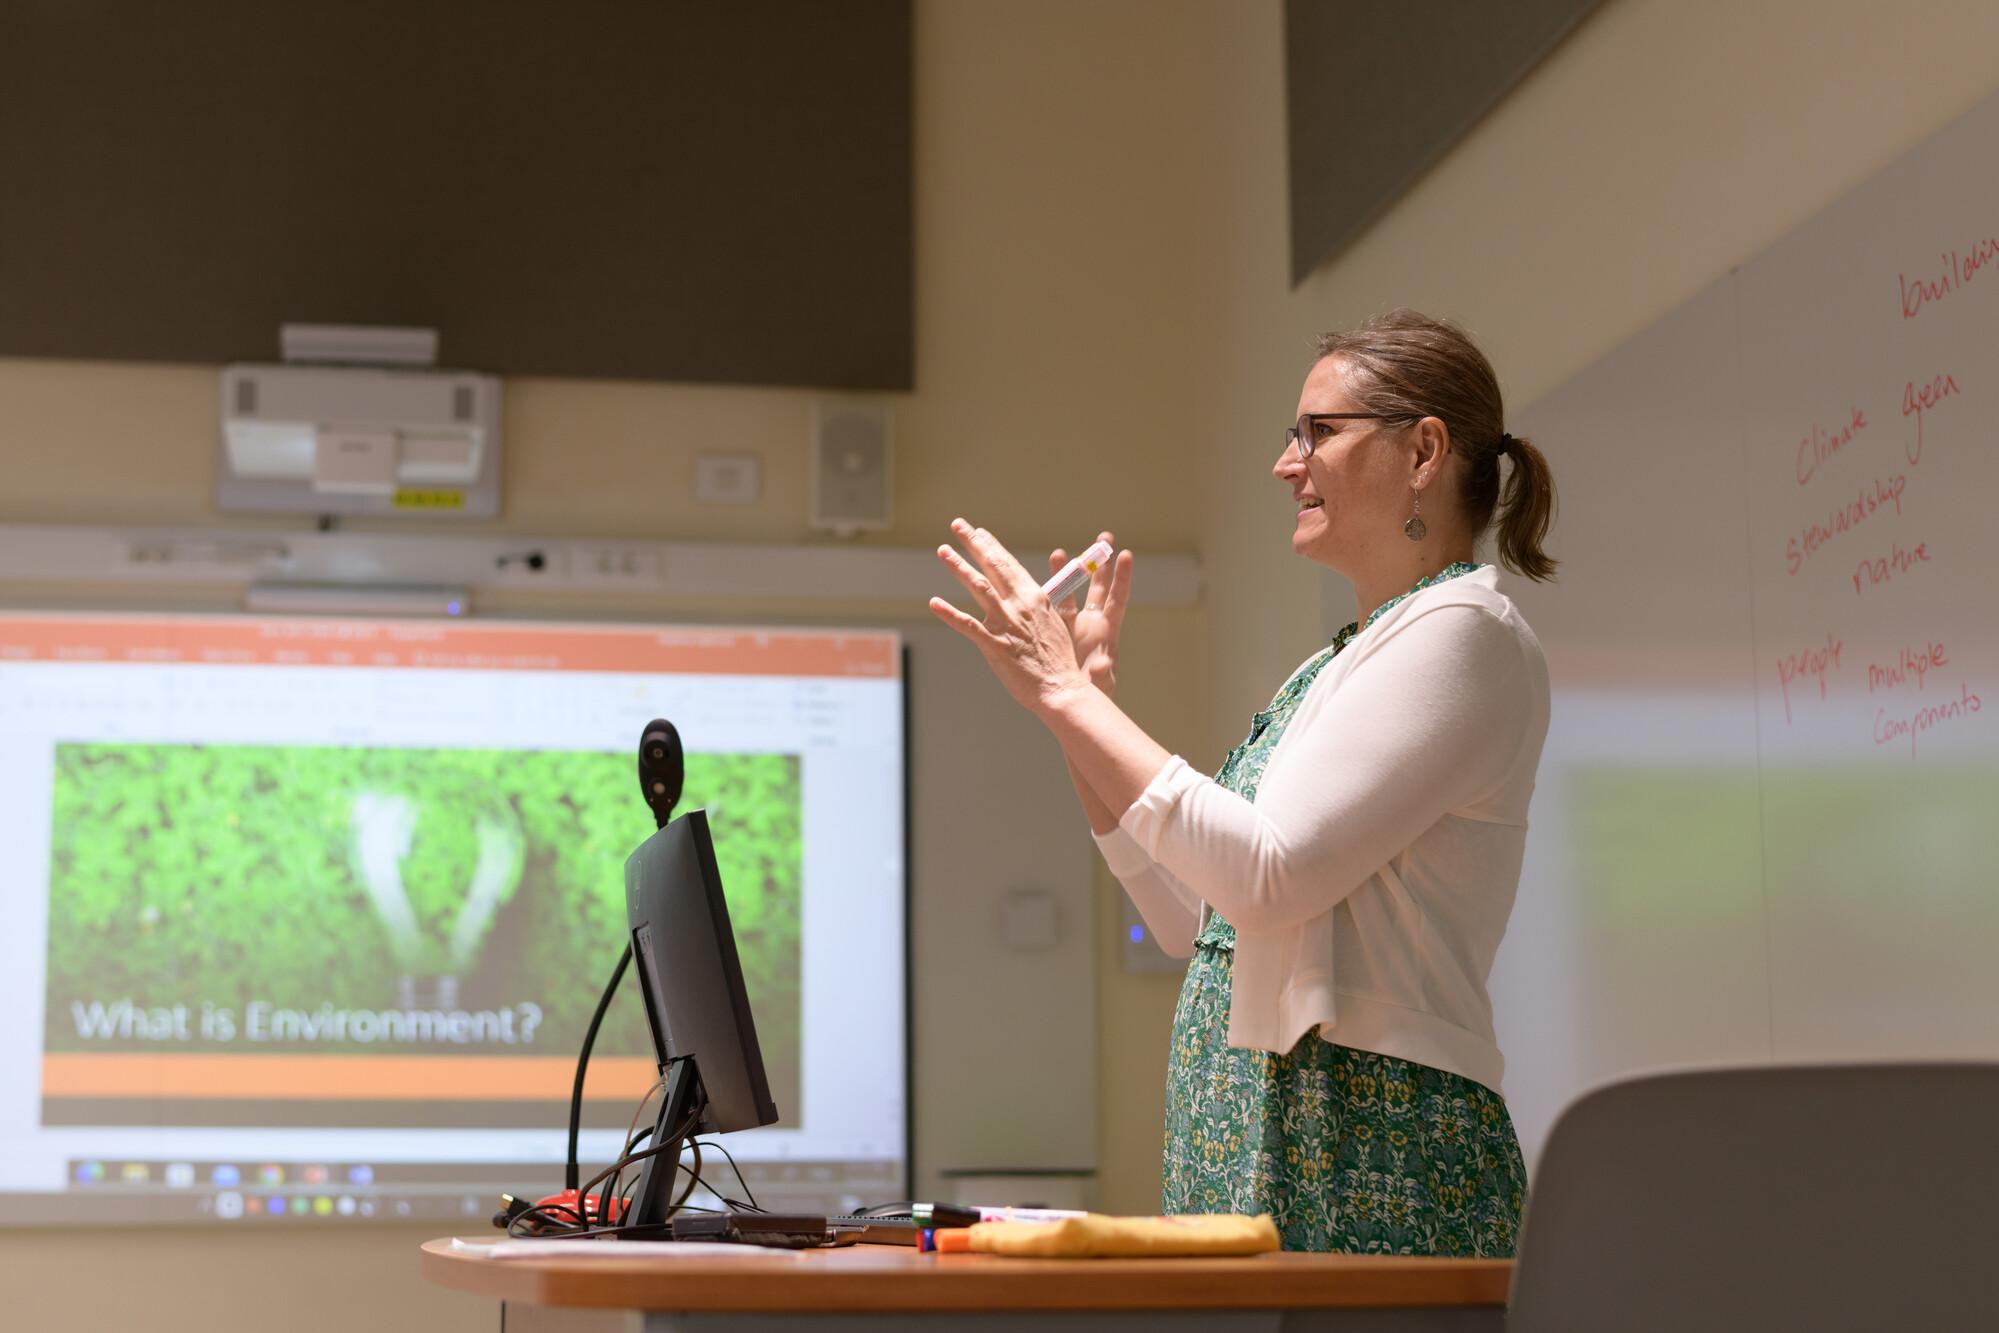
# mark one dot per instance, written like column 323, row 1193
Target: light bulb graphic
column 385, row 827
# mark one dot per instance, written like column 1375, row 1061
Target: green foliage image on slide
column 332, row 899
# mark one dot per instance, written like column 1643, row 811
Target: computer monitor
column 697, row 1007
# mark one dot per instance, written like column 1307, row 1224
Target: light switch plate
column 1138, row 951
column 728, row 479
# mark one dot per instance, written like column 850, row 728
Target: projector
column 342, row 439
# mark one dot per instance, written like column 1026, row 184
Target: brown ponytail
column 1527, row 507
column 1408, row 366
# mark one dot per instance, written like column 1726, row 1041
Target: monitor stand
column 686, row 1105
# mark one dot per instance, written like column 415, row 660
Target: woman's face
column 1353, row 491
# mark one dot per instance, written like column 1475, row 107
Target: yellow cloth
column 1095, row 1235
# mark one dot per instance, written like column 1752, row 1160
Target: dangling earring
column 1415, row 529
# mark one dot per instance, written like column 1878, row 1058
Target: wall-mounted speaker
column 851, row 466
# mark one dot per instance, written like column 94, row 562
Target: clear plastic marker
column 1077, row 572
column 1007, row 1213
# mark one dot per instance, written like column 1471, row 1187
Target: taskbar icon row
column 231, row 1204
column 94, row 1173
column 235, row 1205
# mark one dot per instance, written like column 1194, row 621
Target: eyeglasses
column 1301, row 434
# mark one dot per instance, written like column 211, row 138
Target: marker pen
column 1007, row 1213
column 1077, row 572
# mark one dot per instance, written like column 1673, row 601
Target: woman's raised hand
column 1023, row 639
column 1095, row 625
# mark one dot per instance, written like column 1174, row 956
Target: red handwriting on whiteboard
column 1912, row 664
column 1916, row 401
column 1821, row 444
column 1874, row 496
column 1872, row 573
column 1807, row 662
column 1959, row 268
column 1888, row 730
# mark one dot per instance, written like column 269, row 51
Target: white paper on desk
column 614, row 1249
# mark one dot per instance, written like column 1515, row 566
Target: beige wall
column 1105, row 337
column 1060, row 217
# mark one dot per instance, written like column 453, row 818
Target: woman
column 1343, row 881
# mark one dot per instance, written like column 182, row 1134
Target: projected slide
column 320, row 910
column 237, row 899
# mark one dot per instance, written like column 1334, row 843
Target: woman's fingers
column 968, row 626
column 1005, row 573
column 973, row 581
column 1119, row 595
column 1100, row 580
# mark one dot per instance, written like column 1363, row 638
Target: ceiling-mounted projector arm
column 357, row 345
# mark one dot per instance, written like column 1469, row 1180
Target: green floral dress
column 1348, row 1150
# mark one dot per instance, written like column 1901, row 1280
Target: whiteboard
column 1767, row 822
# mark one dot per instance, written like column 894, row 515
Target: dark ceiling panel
column 651, row 189
column 1377, row 90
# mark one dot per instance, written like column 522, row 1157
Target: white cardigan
column 1370, row 881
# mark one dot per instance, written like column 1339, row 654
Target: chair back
column 1827, row 1198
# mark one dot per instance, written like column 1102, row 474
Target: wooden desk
column 892, row 1287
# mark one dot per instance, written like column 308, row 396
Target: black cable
column 566, row 1220
column 545, row 1217
column 693, row 1179
column 638, row 1229
column 578, row 1217
column 570, row 1168
column 630, row 1230
column 624, row 1195
column 624, row 1162
column 678, row 1133
column 738, row 1204
column 754, row 1205
column 633, row 1137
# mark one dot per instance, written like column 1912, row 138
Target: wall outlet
column 613, row 567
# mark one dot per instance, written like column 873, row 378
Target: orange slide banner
column 485, row 646
column 463, row 1078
